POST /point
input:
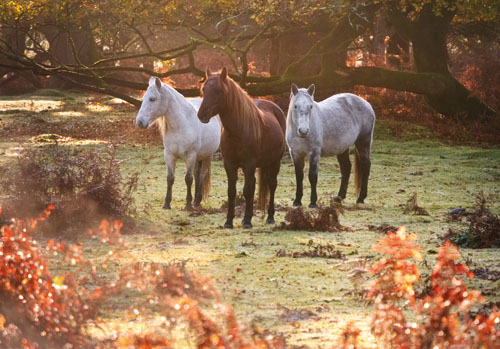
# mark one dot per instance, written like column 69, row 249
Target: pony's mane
column 161, row 122
column 244, row 111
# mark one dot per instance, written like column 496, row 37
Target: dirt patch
column 486, row 274
column 293, row 315
column 384, row 228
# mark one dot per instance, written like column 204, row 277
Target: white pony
column 184, row 137
column 328, row 128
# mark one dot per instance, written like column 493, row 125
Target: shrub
column 442, row 314
column 83, row 185
column 483, row 230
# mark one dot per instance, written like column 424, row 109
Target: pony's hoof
column 270, row 221
column 360, row 201
column 313, row 206
column 197, row 204
column 228, row 225
column 166, row 207
column 337, row 199
column 188, row 207
column 297, row 203
column 247, row 225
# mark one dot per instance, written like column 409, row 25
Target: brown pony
column 253, row 137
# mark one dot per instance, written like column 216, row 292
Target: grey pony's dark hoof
column 337, row 199
column 313, row 206
column 270, row 221
column 166, row 207
column 228, row 225
column 360, row 201
column 247, row 226
column 297, row 203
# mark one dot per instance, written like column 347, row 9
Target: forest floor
column 308, row 300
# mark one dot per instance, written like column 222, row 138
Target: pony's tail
column 263, row 188
column 206, row 181
column 357, row 172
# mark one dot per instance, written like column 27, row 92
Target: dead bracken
column 324, row 218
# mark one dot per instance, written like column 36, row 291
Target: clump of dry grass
column 324, row 218
column 412, row 207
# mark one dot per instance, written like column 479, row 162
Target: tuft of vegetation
column 412, row 207
column 484, row 227
column 82, row 185
column 314, row 250
column 324, row 218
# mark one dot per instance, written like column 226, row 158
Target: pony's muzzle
column 141, row 124
column 303, row 131
column 203, row 116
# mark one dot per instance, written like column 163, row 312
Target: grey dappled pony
column 326, row 128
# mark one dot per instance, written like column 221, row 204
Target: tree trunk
column 428, row 34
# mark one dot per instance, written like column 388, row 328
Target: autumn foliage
column 41, row 309
column 441, row 317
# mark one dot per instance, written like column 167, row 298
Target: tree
column 110, row 46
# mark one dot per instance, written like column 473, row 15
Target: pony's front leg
column 298, row 163
column 198, row 184
column 232, row 177
column 190, row 169
column 248, row 193
column 170, row 164
column 313, row 175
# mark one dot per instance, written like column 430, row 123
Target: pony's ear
column 158, row 83
column 208, row 72
column 295, row 89
column 311, row 90
column 223, row 74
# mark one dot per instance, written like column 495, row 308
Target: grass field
column 309, row 300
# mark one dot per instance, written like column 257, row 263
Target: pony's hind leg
column 170, row 164
column 198, row 184
column 232, row 177
column 298, row 164
column 313, row 175
column 272, row 178
column 345, row 172
column 362, row 169
column 248, row 193
column 190, row 169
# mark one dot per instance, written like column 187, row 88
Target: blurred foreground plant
column 40, row 309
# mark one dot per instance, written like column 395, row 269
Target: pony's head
column 153, row 105
column 212, row 92
column 301, row 106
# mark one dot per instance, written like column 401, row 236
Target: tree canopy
column 111, row 46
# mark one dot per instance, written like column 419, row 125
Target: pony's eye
column 294, row 107
column 310, row 107
column 152, row 99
